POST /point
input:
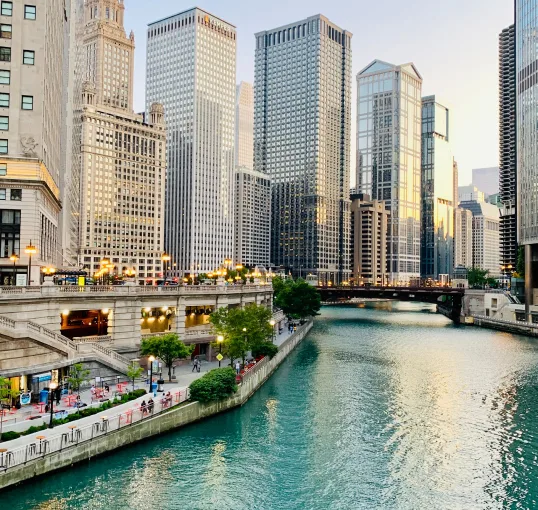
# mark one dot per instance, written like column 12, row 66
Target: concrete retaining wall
column 149, row 427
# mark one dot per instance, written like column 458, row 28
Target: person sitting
column 143, row 407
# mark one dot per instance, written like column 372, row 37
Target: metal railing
column 521, row 324
column 77, row 435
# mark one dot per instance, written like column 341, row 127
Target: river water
column 386, row 406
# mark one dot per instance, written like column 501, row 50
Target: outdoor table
column 72, row 428
column 41, row 406
column 41, row 438
column 71, row 399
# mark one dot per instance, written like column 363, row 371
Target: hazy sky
column 454, row 45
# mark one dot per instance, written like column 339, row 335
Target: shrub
column 264, row 349
column 33, row 429
column 9, row 436
column 217, row 384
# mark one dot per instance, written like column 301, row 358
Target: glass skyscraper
column 389, row 157
column 302, row 112
column 191, row 71
column 437, row 244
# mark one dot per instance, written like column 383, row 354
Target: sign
column 81, row 281
column 42, row 377
column 220, row 357
column 20, row 280
column 26, row 398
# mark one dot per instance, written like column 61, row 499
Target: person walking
column 194, row 364
column 150, row 405
column 237, row 367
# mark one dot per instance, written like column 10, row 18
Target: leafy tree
column 217, row 384
column 167, row 348
column 492, row 283
column 297, row 299
column 77, row 376
column 203, row 276
column 265, row 349
column 520, row 265
column 477, row 277
column 134, row 371
column 5, row 392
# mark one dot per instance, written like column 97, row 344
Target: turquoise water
column 386, row 406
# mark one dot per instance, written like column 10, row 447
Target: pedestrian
column 107, row 388
column 237, row 367
column 199, row 365
column 58, row 394
column 143, row 407
column 150, row 405
column 195, row 364
column 93, row 391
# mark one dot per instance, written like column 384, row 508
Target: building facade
column 486, row 254
column 123, row 157
column 507, row 146
column 31, row 98
column 486, row 179
column 191, row 62
column 437, row 214
column 368, row 240
column 252, row 218
column 470, row 194
column 302, row 113
column 244, row 126
column 389, row 157
column 463, row 238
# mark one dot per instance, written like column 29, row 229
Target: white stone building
column 123, row 155
column 191, row 64
column 244, row 125
column 463, row 238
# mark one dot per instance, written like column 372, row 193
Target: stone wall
column 159, row 424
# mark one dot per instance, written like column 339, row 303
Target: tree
column 134, row 371
column 477, row 277
column 217, row 384
column 78, row 375
column 167, row 348
column 5, row 392
column 520, row 265
column 242, row 328
column 297, row 299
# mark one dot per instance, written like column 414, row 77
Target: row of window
column 27, row 102
column 15, row 194
column 28, row 56
column 30, row 11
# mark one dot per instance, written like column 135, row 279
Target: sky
column 454, row 45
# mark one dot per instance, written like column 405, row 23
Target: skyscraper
column 31, row 98
column 526, row 73
column 244, row 126
column 191, row 71
column 463, row 238
column 389, row 157
column 437, row 244
column 507, row 146
column 123, row 155
column 486, row 179
column 302, row 109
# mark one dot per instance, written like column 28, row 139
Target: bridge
column 448, row 300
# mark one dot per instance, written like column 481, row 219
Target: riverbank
column 103, row 437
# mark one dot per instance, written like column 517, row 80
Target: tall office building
column 123, row 155
column 455, row 175
column 302, row 110
column 389, row 157
column 486, row 179
column 463, row 237
column 31, row 98
column 486, row 254
column 244, row 126
column 369, row 222
column 507, row 146
column 191, row 70
column 437, row 244
column 470, row 194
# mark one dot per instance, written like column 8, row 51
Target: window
column 16, row 194
column 5, row 54
column 4, row 123
column 3, row 169
column 10, row 232
column 27, row 102
column 28, row 57
column 2, row 193
column 4, row 100
column 3, row 146
column 6, row 9
column 29, row 12
column 5, row 77
column 5, row 31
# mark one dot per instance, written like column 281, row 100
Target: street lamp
column 14, row 257
column 220, row 339
column 48, row 271
column 30, row 250
column 151, row 359
column 52, row 387
column 272, row 322
column 165, row 258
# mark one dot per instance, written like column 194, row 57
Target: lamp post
column 272, row 322
column 30, row 250
column 52, row 387
column 244, row 331
column 151, row 359
column 220, row 339
column 165, row 258
column 14, row 257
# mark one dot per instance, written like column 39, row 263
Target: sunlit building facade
column 244, row 125
column 190, row 69
column 463, row 237
column 302, row 115
column 389, row 122
column 437, row 215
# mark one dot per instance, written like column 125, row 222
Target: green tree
column 78, row 375
column 477, row 277
column 5, row 392
column 217, row 384
column 167, row 348
column 520, row 265
column 492, row 282
column 297, row 299
column 134, row 371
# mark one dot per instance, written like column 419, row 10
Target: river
column 385, row 406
